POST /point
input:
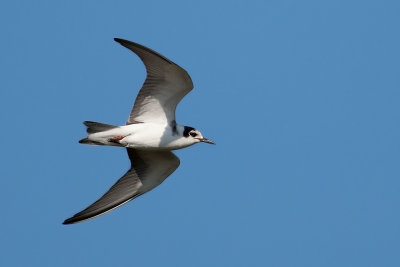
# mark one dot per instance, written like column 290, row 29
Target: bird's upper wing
column 148, row 170
column 165, row 85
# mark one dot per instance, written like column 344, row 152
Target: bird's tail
column 95, row 127
column 86, row 141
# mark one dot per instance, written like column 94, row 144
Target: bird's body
column 144, row 136
column 149, row 135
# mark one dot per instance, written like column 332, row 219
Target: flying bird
column 149, row 135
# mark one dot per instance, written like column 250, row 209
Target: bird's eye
column 193, row 134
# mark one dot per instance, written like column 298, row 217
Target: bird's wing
column 165, row 85
column 148, row 170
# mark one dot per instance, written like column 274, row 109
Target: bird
column 149, row 135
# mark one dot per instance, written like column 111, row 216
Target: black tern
column 149, row 135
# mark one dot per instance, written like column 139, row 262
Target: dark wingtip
column 126, row 43
column 134, row 46
column 119, row 40
column 73, row 220
column 67, row 221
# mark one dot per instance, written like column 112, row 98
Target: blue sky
column 301, row 97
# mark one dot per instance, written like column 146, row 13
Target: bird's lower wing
column 148, row 170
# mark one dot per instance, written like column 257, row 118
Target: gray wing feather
column 148, row 170
column 165, row 85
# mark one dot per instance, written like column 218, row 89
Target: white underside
column 146, row 136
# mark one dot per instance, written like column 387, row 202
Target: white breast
column 154, row 136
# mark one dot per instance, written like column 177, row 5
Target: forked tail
column 95, row 127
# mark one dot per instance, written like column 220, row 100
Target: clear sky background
column 301, row 97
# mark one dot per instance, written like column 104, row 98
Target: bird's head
column 195, row 135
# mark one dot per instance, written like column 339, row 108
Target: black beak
column 205, row 140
